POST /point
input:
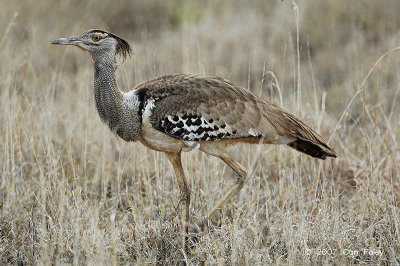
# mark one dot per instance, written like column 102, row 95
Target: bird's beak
column 67, row 41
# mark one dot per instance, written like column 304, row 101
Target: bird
column 176, row 113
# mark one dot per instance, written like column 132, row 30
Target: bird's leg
column 241, row 178
column 175, row 159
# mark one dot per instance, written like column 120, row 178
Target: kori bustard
column 180, row 112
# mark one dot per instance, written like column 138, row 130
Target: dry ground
column 71, row 192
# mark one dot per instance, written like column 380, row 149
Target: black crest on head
column 122, row 48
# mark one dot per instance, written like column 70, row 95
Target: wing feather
column 193, row 108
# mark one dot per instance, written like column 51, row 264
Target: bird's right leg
column 241, row 178
column 175, row 159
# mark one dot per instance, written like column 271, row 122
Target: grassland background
column 71, row 192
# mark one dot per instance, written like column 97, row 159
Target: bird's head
column 99, row 44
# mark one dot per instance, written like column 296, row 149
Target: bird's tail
column 306, row 140
column 320, row 150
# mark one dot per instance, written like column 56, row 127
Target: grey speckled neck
column 107, row 96
column 121, row 118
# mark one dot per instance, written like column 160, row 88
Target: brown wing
column 197, row 108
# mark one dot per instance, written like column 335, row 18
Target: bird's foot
column 198, row 230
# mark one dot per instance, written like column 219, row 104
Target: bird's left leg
column 175, row 159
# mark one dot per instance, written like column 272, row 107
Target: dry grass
column 70, row 192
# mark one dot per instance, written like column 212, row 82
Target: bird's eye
column 96, row 38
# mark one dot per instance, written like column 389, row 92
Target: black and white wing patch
column 195, row 128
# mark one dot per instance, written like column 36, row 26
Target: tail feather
column 320, row 151
column 306, row 139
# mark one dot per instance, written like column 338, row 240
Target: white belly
column 156, row 140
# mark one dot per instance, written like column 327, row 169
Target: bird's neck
column 110, row 101
column 107, row 95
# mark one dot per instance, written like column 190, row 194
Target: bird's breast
column 155, row 139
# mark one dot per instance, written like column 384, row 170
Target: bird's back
column 207, row 108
